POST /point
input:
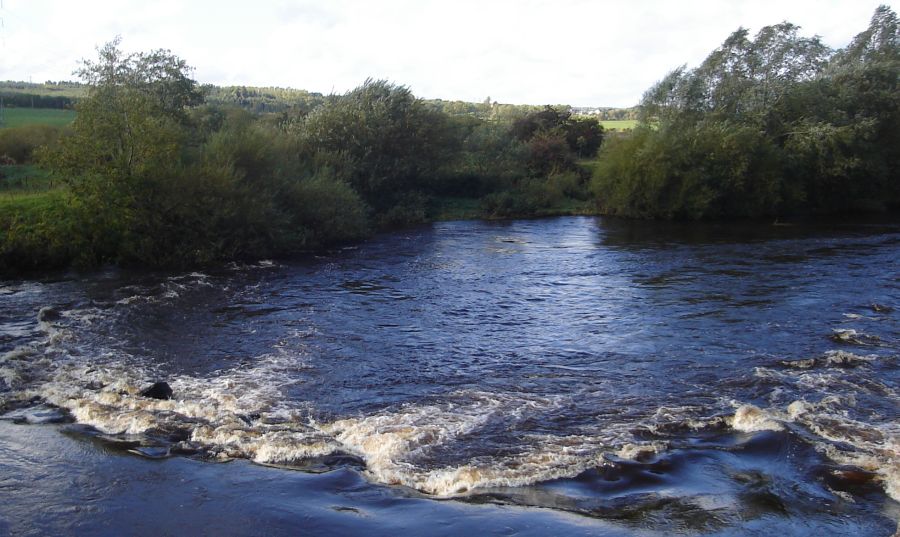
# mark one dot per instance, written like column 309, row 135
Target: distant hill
column 58, row 95
column 64, row 95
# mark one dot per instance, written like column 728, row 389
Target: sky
column 577, row 52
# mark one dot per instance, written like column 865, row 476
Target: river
column 572, row 376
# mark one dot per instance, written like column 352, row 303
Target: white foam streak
column 748, row 419
column 393, row 445
column 874, row 446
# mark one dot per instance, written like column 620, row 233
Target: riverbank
column 33, row 222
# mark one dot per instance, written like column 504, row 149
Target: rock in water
column 48, row 315
column 159, row 390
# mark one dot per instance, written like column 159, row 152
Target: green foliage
column 771, row 125
column 24, row 178
column 155, row 176
column 264, row 100
column 707, row 170
column 327, row 209
column 153, row 179
column 21, row 117
column 379, row 137
column 489, row 159
column 33, row 232
column 19, row 143
column 137, row 195
column 554, row 139
column 408, row 208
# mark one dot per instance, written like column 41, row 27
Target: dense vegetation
column 158, row 173
column 52, row 95
column 158, row 170
column 773, row 125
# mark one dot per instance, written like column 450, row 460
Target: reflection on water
column 645, row 377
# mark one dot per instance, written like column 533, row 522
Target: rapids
column 721, row 379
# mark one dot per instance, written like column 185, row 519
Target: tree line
column 159, row 173
column 773, row 124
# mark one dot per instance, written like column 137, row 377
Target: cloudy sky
column 579, row 52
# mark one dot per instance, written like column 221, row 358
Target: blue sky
column 579, row 52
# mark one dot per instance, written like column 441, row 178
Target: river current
column 558, row 376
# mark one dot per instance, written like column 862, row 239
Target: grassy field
column 28, row 206
column 17, row 117
column 452, row 208
column 32, row 235
column 619, row 124
column 33, row 211
column 73, row 90
column 23, row 179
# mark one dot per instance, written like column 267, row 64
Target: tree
column 740, row 80
column 554, row 138
column 127, row 140
column 133, row 119
column 773, row 124
column 379, row 137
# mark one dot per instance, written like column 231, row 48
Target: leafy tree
column 581, row 136
column 770, row 125
column 379, row 137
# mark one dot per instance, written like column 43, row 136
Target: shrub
column 20, row 143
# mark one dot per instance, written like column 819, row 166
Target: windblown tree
column 841, row 132
column 379, row 137
column 770, row 125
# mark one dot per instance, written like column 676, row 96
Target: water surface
column 549, row 376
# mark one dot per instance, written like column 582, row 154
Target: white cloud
column 583, row 52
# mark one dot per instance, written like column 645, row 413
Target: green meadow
column 18, row 117
column 619, row 124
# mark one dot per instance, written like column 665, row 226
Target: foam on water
column 873, row 445
column 244, row 412
column 750, row 419
column 395, row 444
column 247, row 412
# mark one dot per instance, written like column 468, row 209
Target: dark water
column 563, row 376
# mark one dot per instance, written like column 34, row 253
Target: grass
column 449, row 208
column 32, row 232
column 28, row 205
column 23, row 179
column 619, row 124
column 27, row 211
column 569, row 207
column 17, row 117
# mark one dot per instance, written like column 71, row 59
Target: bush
column 324, row 211
column 19, row 143
column 381, row 138
column 410, row 208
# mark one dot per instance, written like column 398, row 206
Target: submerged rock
column 850, row 479
column 49, row 314
column 39, row 414
column 159, row 390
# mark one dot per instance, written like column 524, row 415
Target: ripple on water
column 601, row 378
